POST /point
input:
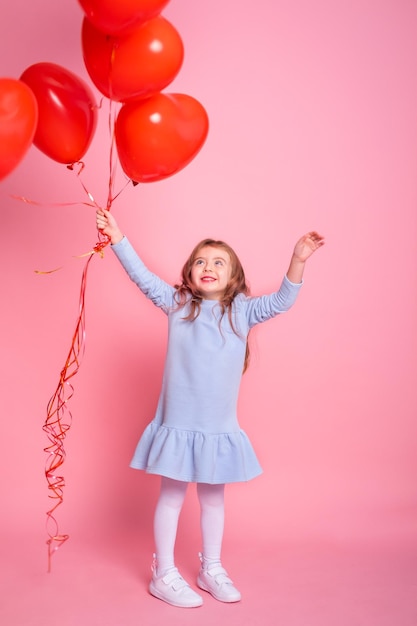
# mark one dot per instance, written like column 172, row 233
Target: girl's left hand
column 309, row 243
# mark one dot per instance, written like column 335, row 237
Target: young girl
column 195, row 435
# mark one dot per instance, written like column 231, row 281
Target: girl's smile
column 211, row 272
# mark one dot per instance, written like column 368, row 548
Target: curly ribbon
column 59, row 417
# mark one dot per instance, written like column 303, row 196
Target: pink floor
column 302, row 583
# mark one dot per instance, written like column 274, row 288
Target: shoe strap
column 219, row 574
column 175, row 580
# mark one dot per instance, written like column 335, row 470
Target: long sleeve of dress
column 151, row 285
column 262, row 308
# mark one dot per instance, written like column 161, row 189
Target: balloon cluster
column 131, row 54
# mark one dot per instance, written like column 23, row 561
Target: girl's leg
column 211, row 499
column 167, row 512
column 167, row 584
column 213, row 577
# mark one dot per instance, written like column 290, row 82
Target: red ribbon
column 59, row 417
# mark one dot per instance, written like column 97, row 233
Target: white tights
column 168, row 509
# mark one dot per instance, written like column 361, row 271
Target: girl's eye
column 219, row 263
column 199, row 262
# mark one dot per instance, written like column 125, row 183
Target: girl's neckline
column 208, row 301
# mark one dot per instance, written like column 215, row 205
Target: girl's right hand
column 107, row 225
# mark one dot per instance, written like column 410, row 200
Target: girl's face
column 211, row 272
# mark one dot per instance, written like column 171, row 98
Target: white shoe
column 173, row 589
column 217, row 582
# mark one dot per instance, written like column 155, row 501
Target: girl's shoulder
column 241, row 302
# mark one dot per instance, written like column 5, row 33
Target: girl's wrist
column 296, row 260
column 116, row 238
column 296, row 269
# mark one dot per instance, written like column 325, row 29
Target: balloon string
column 59, row 417
column 56, row 204
column 112, row 160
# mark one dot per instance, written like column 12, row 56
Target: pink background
column 312, row 108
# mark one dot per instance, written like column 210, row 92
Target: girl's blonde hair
column 237, row 284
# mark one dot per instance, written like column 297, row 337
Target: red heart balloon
column 18, row 119
column 114, row 16
column 157, row 137
column 67, row 111
column 133, row 65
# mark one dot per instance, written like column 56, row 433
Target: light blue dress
column 195, row 435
